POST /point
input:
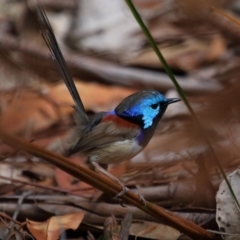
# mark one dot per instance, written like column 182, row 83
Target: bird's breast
column 116, row 152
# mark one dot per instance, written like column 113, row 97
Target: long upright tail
column 49, row 37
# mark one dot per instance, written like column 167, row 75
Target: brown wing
column 110, row 129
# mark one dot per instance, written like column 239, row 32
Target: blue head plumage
column 144, row 107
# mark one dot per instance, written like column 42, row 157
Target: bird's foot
column 124, row 190
column 102, row 170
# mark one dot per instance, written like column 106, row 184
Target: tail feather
column 49, row 37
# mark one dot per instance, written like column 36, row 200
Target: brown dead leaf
column 216, row 48
column 68, row 182
column 111, row 231
column 96, row 97
column 186, row 55
column 151, row 230
column 53, row 227
column 28, row 112
column 198, row 9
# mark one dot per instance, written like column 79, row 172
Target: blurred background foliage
column 110, row 58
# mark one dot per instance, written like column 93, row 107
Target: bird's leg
column 102, row 170
column 141, row 198
column 124, row 189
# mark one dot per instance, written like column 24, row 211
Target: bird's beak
column 173, row 100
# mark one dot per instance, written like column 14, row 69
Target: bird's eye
column 154, row 106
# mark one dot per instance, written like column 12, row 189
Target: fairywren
column 114, row 136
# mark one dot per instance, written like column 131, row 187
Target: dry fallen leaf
column 227, row 215
column 29, row 111
column 186, row 55
column 203, row 7
column 68, row 182
column 111, row 231
column 53, row 227
column 96, row 97
column 151, row 230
